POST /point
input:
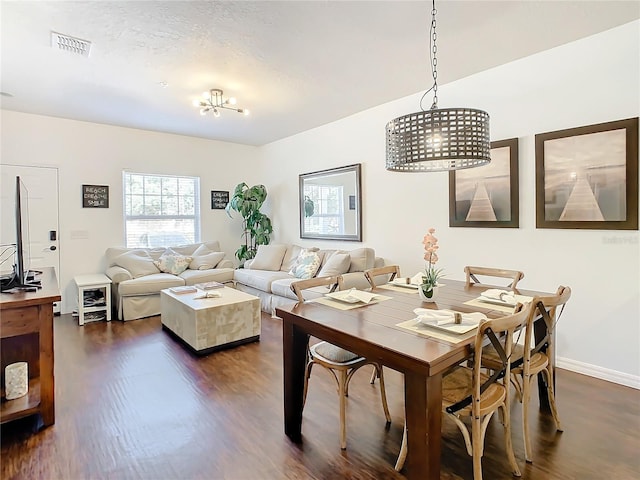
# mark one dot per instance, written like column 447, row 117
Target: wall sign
column 95, row 196
column 219, row 199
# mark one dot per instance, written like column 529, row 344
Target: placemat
column 476, row 302
column 330, row 302
column 395, row 288
column 414, row 326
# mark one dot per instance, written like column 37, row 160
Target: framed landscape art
column 487, row 196
column 587, row 177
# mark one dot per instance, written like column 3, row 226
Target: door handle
column 53, row 248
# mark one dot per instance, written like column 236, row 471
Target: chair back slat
column 391, row 271
column 472, row 273
column 299, row 285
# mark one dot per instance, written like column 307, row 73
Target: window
column 161, row 210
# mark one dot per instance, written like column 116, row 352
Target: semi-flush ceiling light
column 213, row 101
column 439, row 138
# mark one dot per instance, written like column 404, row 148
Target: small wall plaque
column 219, row 199
column 95, row 196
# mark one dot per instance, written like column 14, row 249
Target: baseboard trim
column 602, row 373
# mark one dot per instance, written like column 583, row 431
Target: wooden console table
column 26, row 331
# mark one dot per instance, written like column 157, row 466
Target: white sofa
column 267, row 275
column 137, row 280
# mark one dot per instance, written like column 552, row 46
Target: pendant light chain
column 434, row 59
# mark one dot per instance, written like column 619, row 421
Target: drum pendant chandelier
column 439, row 138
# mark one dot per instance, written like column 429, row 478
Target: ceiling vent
column 70, row 44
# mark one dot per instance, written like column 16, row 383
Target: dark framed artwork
column 487, row 196
column 95, row 196
column 587, row 177
column 219, row 199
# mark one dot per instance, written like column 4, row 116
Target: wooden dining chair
column 473, row 272
column 390, row 272
column 341, row 363
column 469, row 393
column 527, row 362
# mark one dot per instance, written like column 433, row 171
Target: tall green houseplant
column 257, row 226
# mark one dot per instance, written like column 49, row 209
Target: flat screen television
column 22, row 277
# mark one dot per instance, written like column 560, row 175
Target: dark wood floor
column 132, row 403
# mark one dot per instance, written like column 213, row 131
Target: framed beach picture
column 487, row 196
column 587, row 177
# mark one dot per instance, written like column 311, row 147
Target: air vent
column 70, row 44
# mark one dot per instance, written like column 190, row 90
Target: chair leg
column 526, row 398
column 374, row 374
column 507, row 440
column 552, row 399
column 383, row 393
column 307, row 376
column 476, row 449
column 342, row 382
column 402, row 456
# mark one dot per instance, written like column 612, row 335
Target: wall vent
column 70, row 44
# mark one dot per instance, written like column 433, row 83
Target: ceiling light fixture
column 213, row 101
column 439, row 138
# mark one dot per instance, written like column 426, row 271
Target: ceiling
column 295, row 64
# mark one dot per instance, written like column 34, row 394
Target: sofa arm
column 247, row 263
column 354, row 280
column 226, row 263
column 118, row 274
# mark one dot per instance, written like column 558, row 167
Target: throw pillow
column 138, row 262
column 269, row 257
column 307, row 265
column 362, row 259
column 336, row 264
column 172, row 262
column 206, row 261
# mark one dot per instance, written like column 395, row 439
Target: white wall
column 88, row 153
column 589, row 81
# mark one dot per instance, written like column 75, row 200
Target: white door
column 42, row 184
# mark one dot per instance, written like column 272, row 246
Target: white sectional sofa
column 138, row 274
column 268, row 276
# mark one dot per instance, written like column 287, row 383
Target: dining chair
column 390, row 272
column 341, row 363
column 527, row 362
column 469, row 393
column 472, row 272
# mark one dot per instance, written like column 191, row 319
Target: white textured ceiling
column 295, row 64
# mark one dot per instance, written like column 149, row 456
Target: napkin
column 359, row 295
column 499, row 295
column 446, row 317
column 416, row 279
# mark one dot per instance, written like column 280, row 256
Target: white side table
column 94, row 297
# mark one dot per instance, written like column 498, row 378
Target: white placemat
column 396, row 288
column 330, row 302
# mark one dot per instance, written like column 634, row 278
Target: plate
column 348, row 296
column 401, row 282
column 459, row 329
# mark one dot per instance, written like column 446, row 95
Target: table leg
column 294, row 348
column 47, row 389
column 423, row 410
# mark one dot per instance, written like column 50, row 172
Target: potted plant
column 256, row 225
column 429, row 287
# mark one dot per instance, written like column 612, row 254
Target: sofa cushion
column 259, row 279
column 290, row 257
column 206, row 261
column 149, row 284
column 172, row 262
column 269, row 257
column 222, row 275
column 138, row 262
column 307, row 264
column 337, row 264
column 362, row 259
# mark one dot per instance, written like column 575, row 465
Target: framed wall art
column 219, row 199
column 487, row 196
column 95, row 196
column 587, row 177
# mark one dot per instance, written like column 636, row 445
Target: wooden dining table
column 372, row 331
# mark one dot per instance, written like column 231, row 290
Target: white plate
column 459, row 329
column 347, row 297
column 401, row 282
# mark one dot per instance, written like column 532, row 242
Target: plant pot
column 433, row 294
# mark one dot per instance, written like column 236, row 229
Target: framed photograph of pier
column 587, row 177
column 487, row 196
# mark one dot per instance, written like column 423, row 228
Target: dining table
column 384, row 330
